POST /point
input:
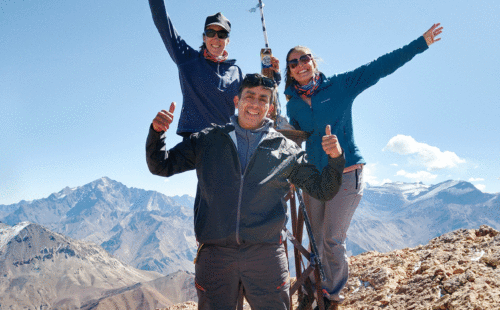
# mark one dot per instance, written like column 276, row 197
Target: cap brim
column 217, row 24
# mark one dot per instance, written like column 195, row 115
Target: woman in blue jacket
column 209, row 80
column 314, row 101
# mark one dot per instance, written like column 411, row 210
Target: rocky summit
column 456, row 271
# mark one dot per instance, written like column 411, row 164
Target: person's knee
column 267, row 283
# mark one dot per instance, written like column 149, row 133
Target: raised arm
column 164, row 162
column 368, row 75
column 178, row 49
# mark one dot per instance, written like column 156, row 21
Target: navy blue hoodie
column 208, row 88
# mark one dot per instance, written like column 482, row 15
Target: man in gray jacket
column 244, row 170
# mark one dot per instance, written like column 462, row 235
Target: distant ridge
column 45, row 270
column 145, row 229
column 398, row 215
column 172, row 289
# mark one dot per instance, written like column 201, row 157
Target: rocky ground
column 458, row 270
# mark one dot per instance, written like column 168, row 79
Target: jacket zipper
column 242, row 180
column 220, row 79
column 238, row 212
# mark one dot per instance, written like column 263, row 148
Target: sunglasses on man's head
column 303, row 60
column 258, row 79
column 222, row 34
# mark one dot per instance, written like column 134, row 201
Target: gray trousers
column 261, row 269
column 330, row 221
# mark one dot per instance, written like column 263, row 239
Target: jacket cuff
column 338, row 162
column 153, row 131
column 421, row 44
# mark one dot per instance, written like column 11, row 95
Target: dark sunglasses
column 303, row 60
column 222, row 34
column 256, row 79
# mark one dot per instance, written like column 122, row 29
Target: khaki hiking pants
column 330, row 221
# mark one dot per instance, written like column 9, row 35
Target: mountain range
column 104, row 245
column 40, row 269
column 151, row 231
column 145, row 229
column 398, row 215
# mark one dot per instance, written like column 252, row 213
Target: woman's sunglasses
column 303, row 60
column 222, row 34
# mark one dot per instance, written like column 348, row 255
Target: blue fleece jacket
column 208, row 88
column 332, row 102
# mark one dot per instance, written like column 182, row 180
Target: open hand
column 331, row 144
column 163, row 119
column 431, row 34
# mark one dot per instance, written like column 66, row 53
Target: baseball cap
column 219, row 20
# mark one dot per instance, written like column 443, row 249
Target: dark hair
column 288, row 78
column 252, row 80
column 203, row 46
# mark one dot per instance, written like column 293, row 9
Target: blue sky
column 80, row 82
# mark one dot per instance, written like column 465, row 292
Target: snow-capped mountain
column 154, row 232
column 145, row 229
column 399, row 215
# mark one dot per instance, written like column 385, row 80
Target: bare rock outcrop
column 458, row 270
column 40, row 269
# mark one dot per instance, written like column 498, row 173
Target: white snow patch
column 362, row 284
column 417, row 266
column 480, row 187
column 6, row 234
column 477, row 256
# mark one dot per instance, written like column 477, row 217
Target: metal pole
column 261, row 6
column 314, row 248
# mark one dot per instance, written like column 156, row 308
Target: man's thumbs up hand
column 331, row 144
column 163, row 119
